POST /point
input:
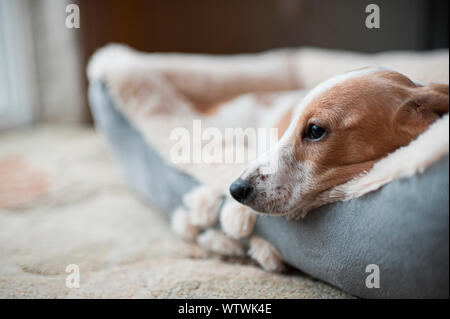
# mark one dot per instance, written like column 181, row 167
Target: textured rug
column 63, row 201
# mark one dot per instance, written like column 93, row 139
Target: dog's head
column 339, row 130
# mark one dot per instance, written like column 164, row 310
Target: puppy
column 337, row 132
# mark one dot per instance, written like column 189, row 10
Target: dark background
column 234, row 26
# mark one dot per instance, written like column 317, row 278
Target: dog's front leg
column 267, row 256
column 201, row 210
column 216, row 241
column 237, row 220
column 182, row 226
column 203, row 204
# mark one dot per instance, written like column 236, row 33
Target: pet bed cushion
column 402, row 228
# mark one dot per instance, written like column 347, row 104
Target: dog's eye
column 315, row 132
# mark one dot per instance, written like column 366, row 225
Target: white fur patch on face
column 278, row 193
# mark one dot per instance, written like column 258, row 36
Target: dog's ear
column 435, row 98
column 425, row 105
column 430, row 100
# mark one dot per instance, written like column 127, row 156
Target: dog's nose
column 240, row 190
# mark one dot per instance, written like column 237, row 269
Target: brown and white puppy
column 339, row 130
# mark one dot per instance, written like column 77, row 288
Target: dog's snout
column 240, row 190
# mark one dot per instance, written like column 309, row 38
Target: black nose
column 240, row 190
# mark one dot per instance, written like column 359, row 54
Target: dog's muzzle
column 240, row 190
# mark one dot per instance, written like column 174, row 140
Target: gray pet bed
column 403, row 227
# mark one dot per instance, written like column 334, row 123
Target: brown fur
column 366, row 118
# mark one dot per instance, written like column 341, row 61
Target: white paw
column 181, row 225
column 218, row 242
column 265, row 254
column 237, row 220
column 203, row 203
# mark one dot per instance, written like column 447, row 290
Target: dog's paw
column 237, row 220
column 203, row 203
column 266, row 255
column 218, row 242
column 182, row 226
